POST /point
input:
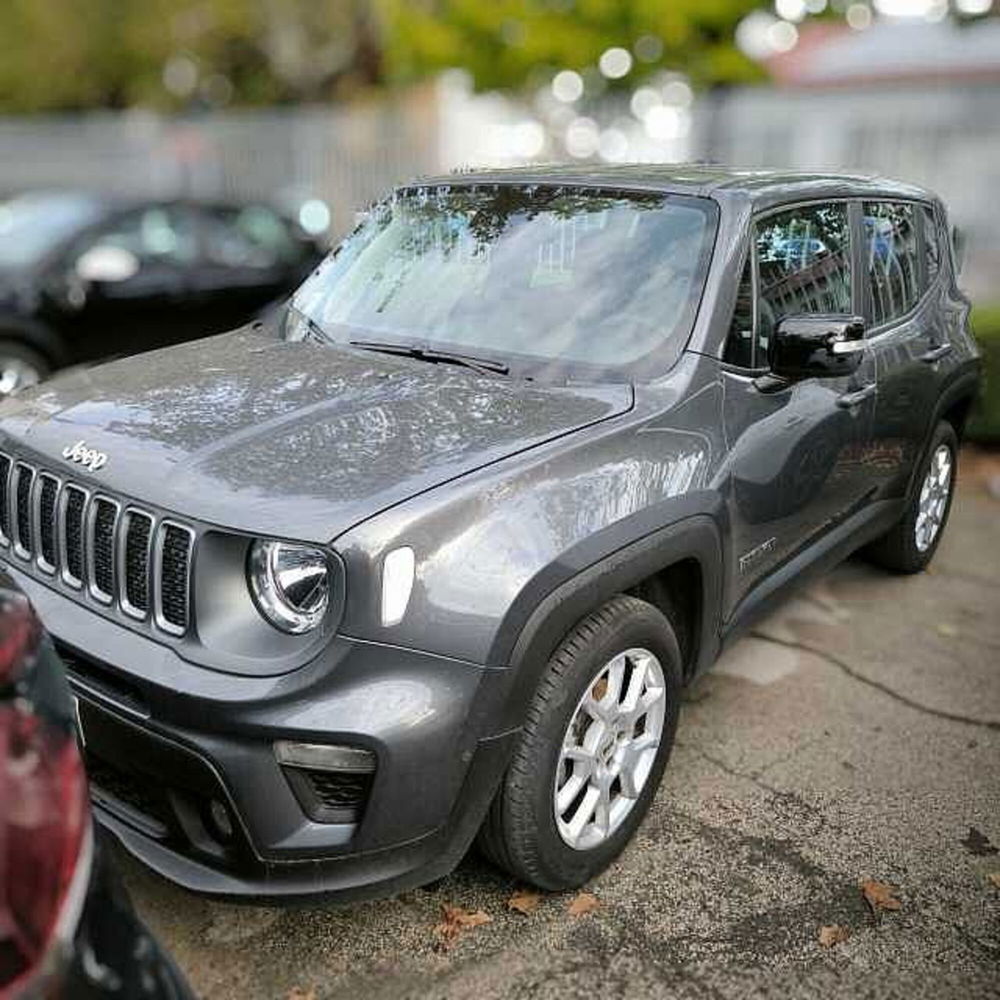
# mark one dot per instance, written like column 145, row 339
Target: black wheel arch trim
column 694, row 537
column 38, row 336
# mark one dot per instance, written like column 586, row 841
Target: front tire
column 20, row 366
column 596, row 739
column 911, row 544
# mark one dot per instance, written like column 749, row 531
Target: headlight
column 290, row 584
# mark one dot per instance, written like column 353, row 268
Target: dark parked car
column 436, row 555
column 67, row 929
column 84, row 278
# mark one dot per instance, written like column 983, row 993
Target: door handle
column 851, row 399
column 935, row 354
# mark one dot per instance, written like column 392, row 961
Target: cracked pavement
column 855, row 734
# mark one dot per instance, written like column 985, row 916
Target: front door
column 145, row 306
column 796, row 449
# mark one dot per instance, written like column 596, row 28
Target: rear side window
column 932, row 247
column 891, row 260
column 804, row 266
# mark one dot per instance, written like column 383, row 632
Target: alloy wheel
column 609, row 748
column 933, row 501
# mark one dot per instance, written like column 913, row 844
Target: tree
column 516, row 43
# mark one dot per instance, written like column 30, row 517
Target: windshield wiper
column 485, row 366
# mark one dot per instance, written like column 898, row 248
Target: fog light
column 323, row 756
column 221, row 820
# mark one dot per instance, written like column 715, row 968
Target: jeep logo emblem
column 89, row 458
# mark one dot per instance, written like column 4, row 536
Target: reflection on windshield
column 544, row 274
column 32, row 225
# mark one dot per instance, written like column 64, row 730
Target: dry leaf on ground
column 879, row 896
column 978, row 843
column 832, row 934
column 581, row 903
column 299, row 993
column 994, row 877
column 455, row 921
column 525, row 901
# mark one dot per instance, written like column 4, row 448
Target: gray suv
column 433, row 554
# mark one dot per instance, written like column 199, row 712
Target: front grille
column 102, row 537
column 48, row 491
column 24, row 478
column 131, row 560
column 175, row 570
column 74, row 506
column 138, row 534
column 5, row 467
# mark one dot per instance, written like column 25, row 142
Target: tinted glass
column 160, row 234
column 891, row 259
column 932, row 248
column 541, row 274
column 33, row 225
column 739, row 342
column 254, row 236
column 804, row 265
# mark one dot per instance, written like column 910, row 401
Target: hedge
column 984, row 422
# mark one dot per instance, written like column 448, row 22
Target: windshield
column 33, row 225
column 544, row 275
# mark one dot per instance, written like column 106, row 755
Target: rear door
column 906, row 335
column 795, row 447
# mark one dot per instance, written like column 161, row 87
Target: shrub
column 984, row 422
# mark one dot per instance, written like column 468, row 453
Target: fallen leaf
column 524, row 901
column 832, row 934
column 582, row 903
column 994, row 877
column 299, row 993
column 978, row 843
column 947, row 630
column 879, row 896
column 456, row 920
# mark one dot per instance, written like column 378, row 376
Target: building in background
column 912, row 99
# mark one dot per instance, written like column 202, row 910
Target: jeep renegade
column 433, row 554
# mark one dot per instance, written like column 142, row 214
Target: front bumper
column 165, row 739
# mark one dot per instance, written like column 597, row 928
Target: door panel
column 796, row 466
column 796, row 448
column 147, row 309
column 908, row 339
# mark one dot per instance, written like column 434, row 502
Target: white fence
column 346, row 156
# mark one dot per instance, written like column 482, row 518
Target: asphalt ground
column 854, row 736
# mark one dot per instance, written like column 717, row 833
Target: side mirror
column 106, row 264
column 817, row 346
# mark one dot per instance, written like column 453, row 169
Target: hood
column 297, row 440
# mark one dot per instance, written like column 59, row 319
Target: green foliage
column 513, row 43
column 76, row 54
column 984, row 423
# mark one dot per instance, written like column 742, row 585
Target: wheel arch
column 661, row 567
column 38, row 336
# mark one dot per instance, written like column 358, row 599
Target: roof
column 754, row 185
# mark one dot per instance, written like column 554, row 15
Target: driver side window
column 160, row 234
column 803, row 265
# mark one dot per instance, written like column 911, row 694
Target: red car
column 67, row 929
